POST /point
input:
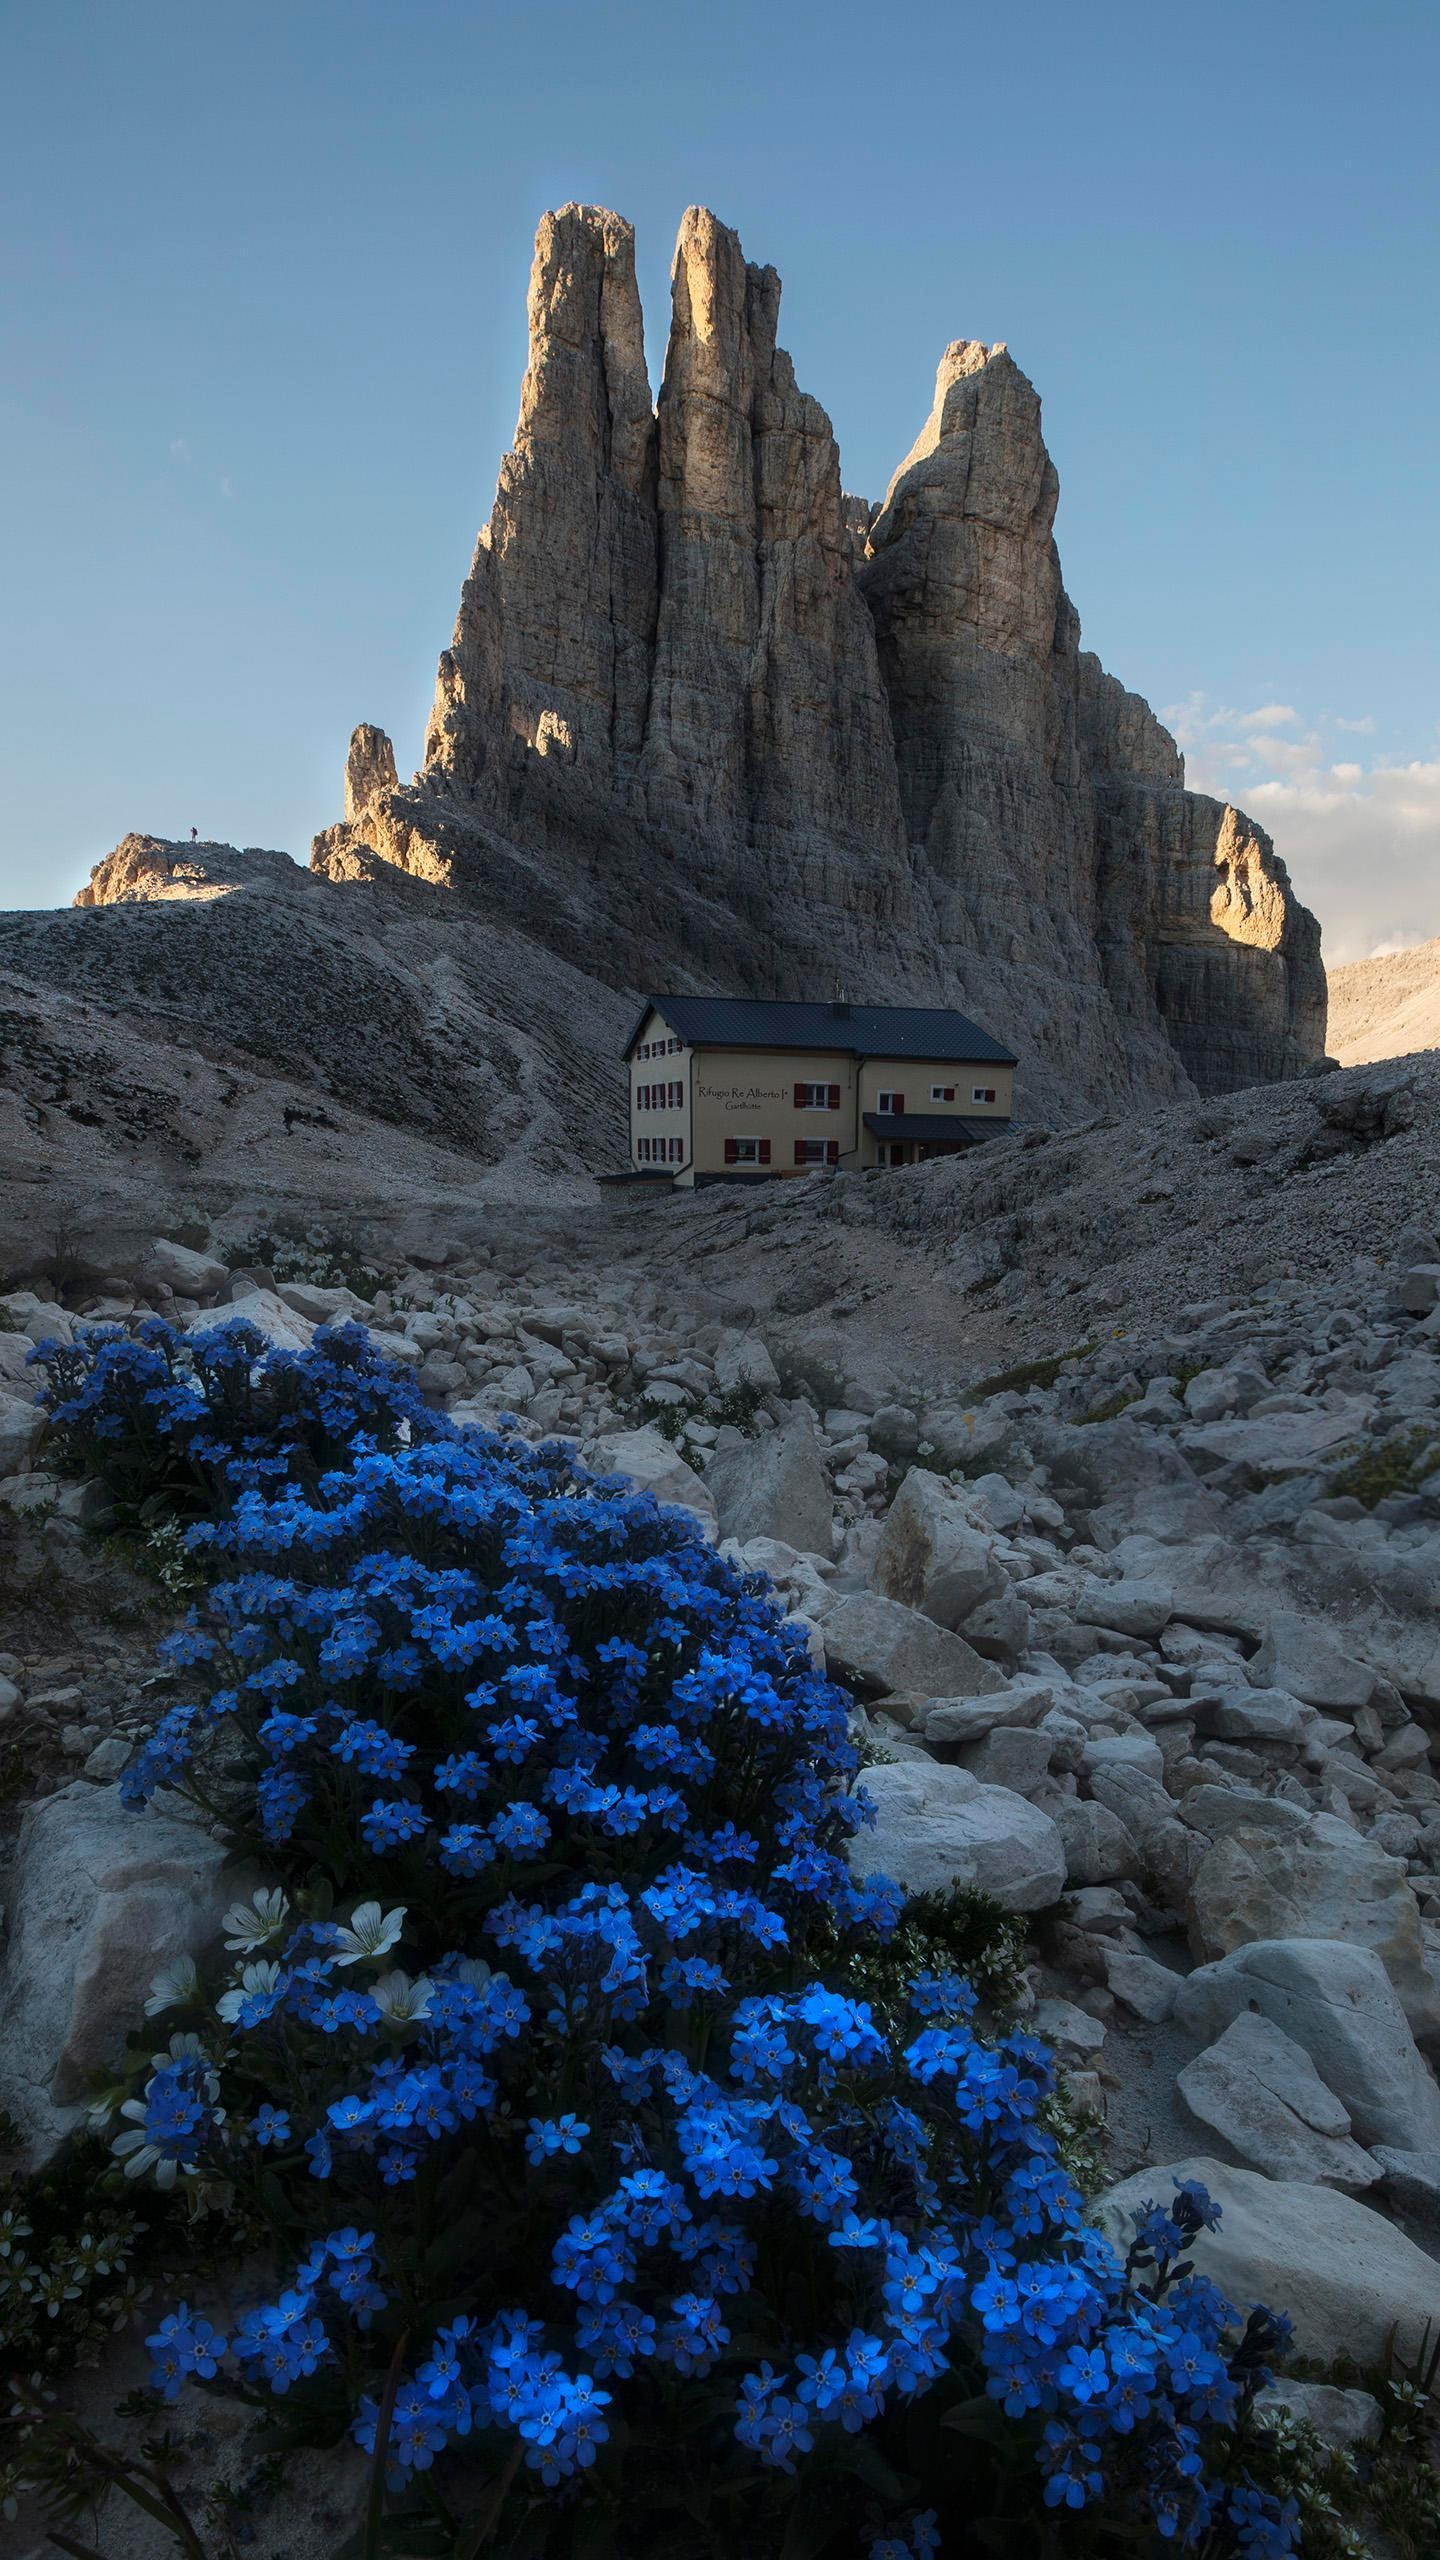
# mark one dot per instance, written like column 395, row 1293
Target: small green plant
column 74, row 2267
column 738, row 1405
column 1398, row 1464
column 320, row 1257
column 1030, row 1373
column 163, row 1553
column 1106, row 1412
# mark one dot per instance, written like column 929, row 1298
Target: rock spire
column 707, row 719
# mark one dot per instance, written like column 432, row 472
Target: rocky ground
column 1104, row 1468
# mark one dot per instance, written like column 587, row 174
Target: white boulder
column 1345, row 2277
column 1337, row 2001
column 932, row 1556
column 883, row 1646
column 775, row 1486
column 189, row 1274
column 654, row 1465
column 265, row 1311
column 1262, row 2094
column 1301, row 1655
column 102, row 1899
column 1326, row 1881
column 938, row 1827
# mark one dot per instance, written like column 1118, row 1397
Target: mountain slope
column 1385, row 1008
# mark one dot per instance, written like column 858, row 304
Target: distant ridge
column 1387, row 1007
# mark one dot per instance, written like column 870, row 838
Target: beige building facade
column 740, row 1090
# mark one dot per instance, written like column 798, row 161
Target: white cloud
column 1362, row 841
column 1271, row 715
column 226, row 485
column 180, row 450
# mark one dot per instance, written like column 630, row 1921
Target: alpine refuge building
column 734, row 1089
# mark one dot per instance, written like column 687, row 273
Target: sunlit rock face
column 707, row 719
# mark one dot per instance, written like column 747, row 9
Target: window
column 747, row 1150
column 677, row 1151
column 890, row 1102
column 983, row 1093
column 817, row 1097
column 673, row 1047
column 809, row 1151
column 942, row 1093
column 677, row 1096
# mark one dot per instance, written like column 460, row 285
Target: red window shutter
column 764, row 1150
column 832, row 1150
column 801, row 1157
column 800, row 1094
column 732, row 1151
column 834, row 1097
column 897, row 1102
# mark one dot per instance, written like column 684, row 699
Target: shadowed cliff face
column 707, row 720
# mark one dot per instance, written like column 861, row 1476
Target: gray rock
column 1412, row 2183
column 102, row 1899
column 266, row 1312
column 1261, row 2093
column 1344, row 2418
column 1344, row 2276
column 1150, row 1989
column 654, row 1464
column 21, row 1422
column 1019, row 1702
column 1003, row 1627
column 1130, row 1608
column 1098, row 1848
column 189, row 1274
column 882, row 1646
column 999, row 1500
column 1254, row 1715
column 1301, row 1655
column 744, row 1361
column 1124, row 1751
column 1075, row 2035
column 1011, row 1756
column 108, row 1758
column 774, row 1487
column 1324, row 1882
column 1336, row 2001
column 938, row 1826
column 932, row 1556
column 1214, row 1810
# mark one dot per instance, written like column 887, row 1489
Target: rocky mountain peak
column 709, row 719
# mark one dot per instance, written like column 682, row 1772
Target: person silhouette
column 194, row 835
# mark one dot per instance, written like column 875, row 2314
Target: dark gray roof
column 860, row 1030
column 935, row 1127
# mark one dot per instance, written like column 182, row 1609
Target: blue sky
column 264, row 272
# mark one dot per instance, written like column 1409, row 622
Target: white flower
column 138, row 2154
column 372, row 1932
column 256, row 1921
column 474, row 1971
column 254, row 1977
column 399, row 2000
column 185, row 2048
column 174, row 1985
